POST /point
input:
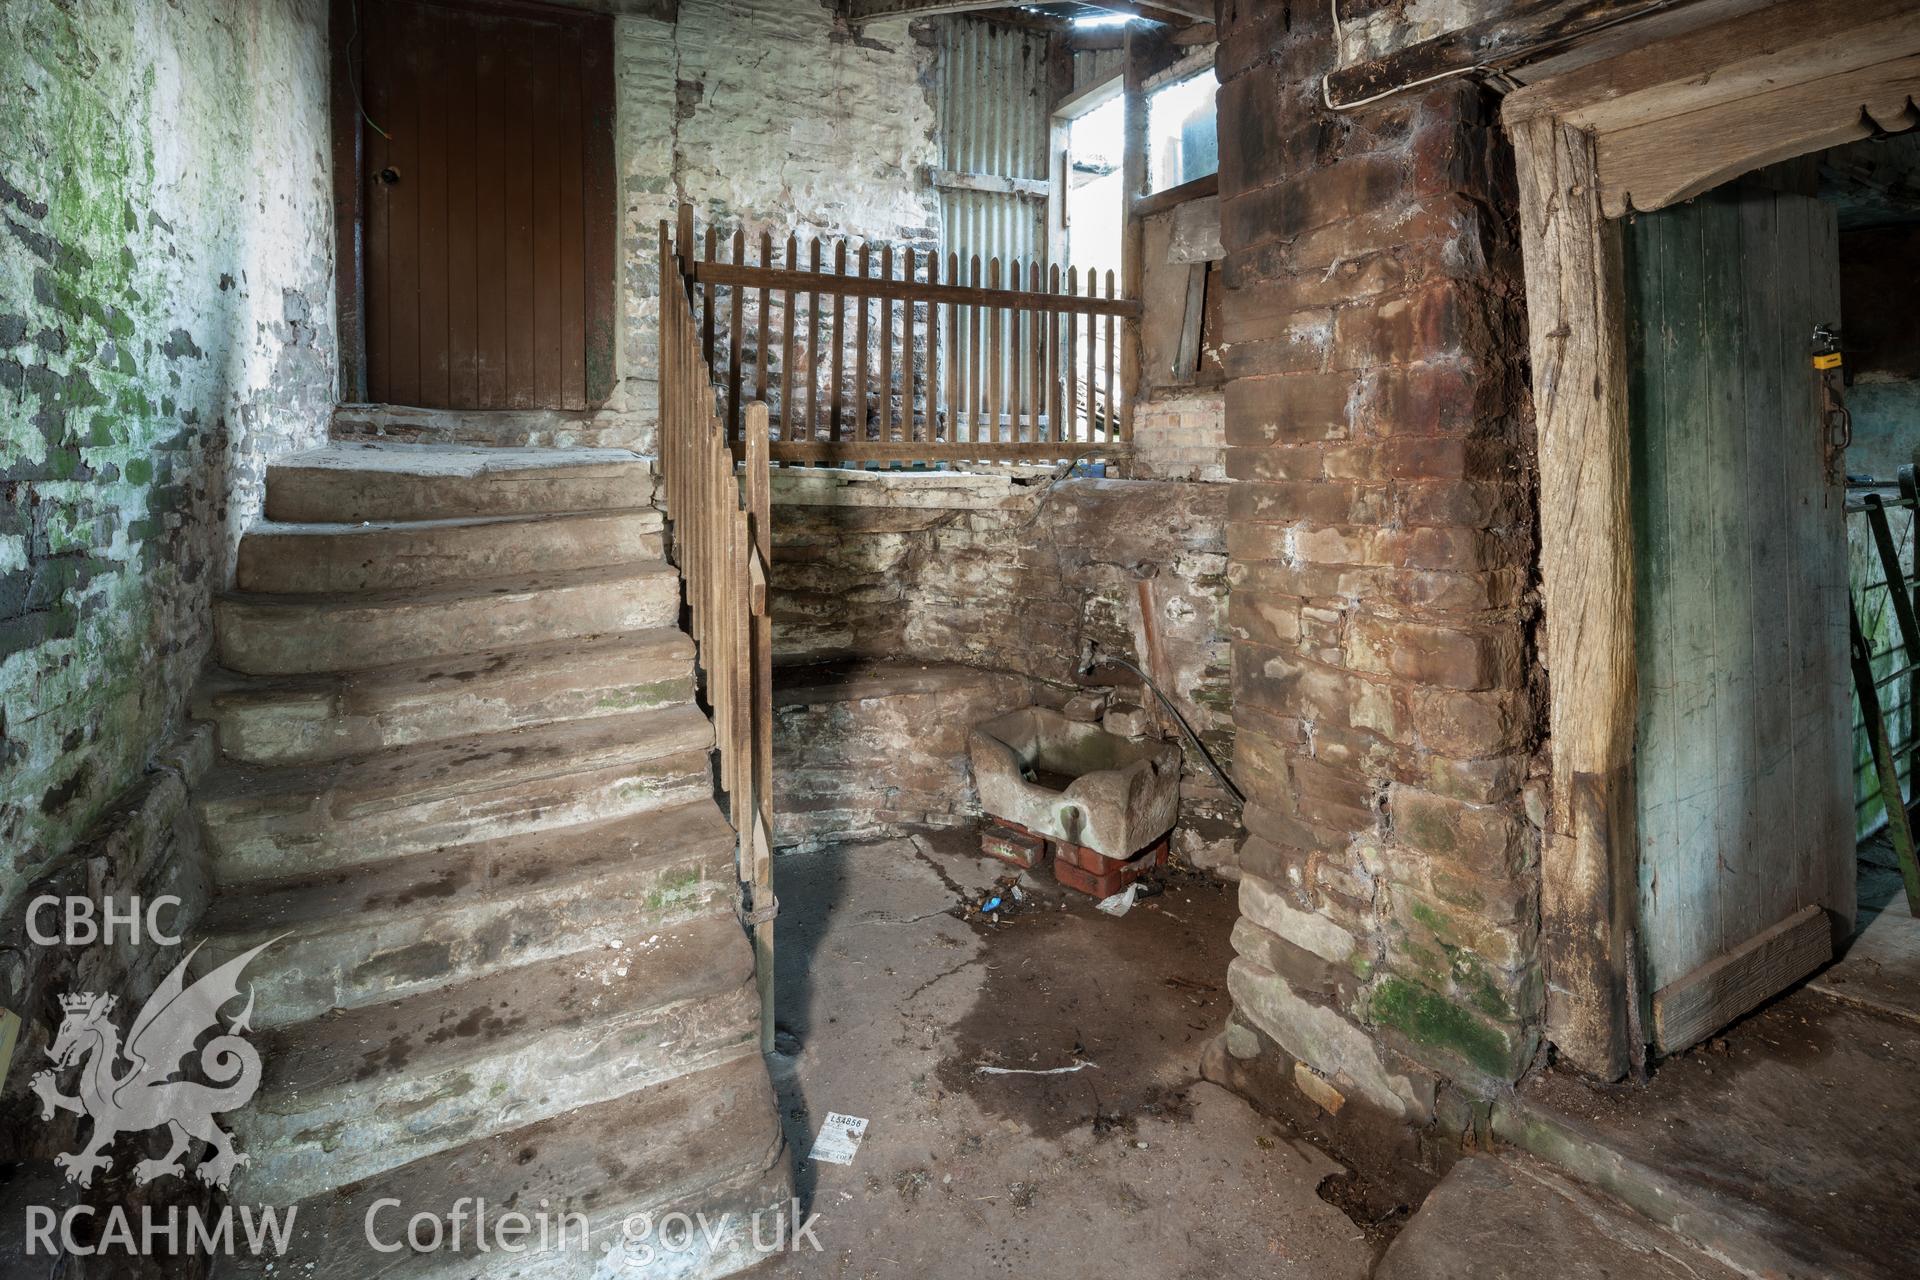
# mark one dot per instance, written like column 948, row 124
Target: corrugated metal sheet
column 993, row 111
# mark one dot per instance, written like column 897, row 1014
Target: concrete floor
column 1128, row 1165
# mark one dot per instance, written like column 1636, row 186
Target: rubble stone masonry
column 1380, row 528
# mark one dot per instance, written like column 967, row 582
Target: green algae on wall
column 165, row 304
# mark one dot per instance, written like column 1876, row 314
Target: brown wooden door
column 488, row 204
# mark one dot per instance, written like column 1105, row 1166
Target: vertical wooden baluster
column 762, row 321
column 1093, row 355
column 1071, row 374
column 886, row 348
column 976, row 371
column 1036, row 353
column 933, row 348
column 707, row 317
column 759, row 828
column 1014, row 370
column 1113, row 381
column 736, row 321
column 996, row 323
column 1053, row 357
column 909, row 326
column 813, row 346
column 863, row 391
column 839, row 335
column 789, row 371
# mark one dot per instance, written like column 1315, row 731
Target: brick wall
column 166, row 315
column 1380, row 528
column 1181, row 436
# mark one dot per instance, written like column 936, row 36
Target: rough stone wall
column 1010, row 573
column 764, row 114
column 166, row 314
column 1380, row 527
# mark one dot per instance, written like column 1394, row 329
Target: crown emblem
column 83, row 1001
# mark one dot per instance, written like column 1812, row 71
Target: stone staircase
column 465, row 790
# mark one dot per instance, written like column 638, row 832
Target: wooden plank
column 812, row 426
column 790, row 399
column 1145, row 206
column 1036, row 356
column 1573, row 271
column 886, row 347
column 708, row 319
column 1071, row 377
column 975, row 372
column 736, row 322
column 1695, row 1006
column 838, row 346
column 992, row 184
column 863, row 403
column 996, row 326
column 401, row 284
column 712, row 273
column 351, row 167
column 934, row 332
column 1114, row 381
column 571, row 270
column 463, row 242
column 601, row 204
column 1059, row 375
column 1186, row 358
column 429, row 181
column 763, row 319
column 539, row 99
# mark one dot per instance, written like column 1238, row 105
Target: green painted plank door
column 1741, row 770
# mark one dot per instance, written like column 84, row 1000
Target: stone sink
column 1076, row 782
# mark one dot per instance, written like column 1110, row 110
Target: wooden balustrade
column 721, row 542
column 898, row 360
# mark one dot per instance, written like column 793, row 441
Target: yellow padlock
column 1827, row 360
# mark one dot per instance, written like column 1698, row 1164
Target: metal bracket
column 752, row 916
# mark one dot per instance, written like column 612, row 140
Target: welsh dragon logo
column 132, row 1088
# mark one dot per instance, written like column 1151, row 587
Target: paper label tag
column 839, row 1138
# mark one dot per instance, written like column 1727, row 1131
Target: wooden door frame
column 346, row 57
column 1635, row 132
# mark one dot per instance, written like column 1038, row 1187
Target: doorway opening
column 474, row 192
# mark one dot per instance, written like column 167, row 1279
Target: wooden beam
column 1172, row 197
column 1575, row 316
column 993, row 184
column 1494, row 43
column 1093, row 96
column 855, row 286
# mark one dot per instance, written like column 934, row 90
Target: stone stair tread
column 317, row 716
column 343, row 528
column 460, row 670
column 414, row 597
column 503, row 1011
column 282, row 633
column 447, row 459
column 707, row 1141
column 426, row 884
column 387, row 481
column 473, row 764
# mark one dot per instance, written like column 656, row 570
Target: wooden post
column 759, row 825
column 1575, row 314
column 1141, row 52
column 813, row 346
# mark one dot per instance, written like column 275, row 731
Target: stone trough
column 1076, row 783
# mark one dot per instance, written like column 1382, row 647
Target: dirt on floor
column 1029, row 1071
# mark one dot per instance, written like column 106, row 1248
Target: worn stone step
column 705, row 1143
column 260, row 634
column 412, row 554
column 269, row 823
column 1511, row 1217
column 351, row 482
column 350, row 937
column 308, row 718
column 352, row 1094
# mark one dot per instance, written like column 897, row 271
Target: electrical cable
column 1095, row 657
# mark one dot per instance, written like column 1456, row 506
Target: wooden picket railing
column 722, row 542
column 910, row 364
